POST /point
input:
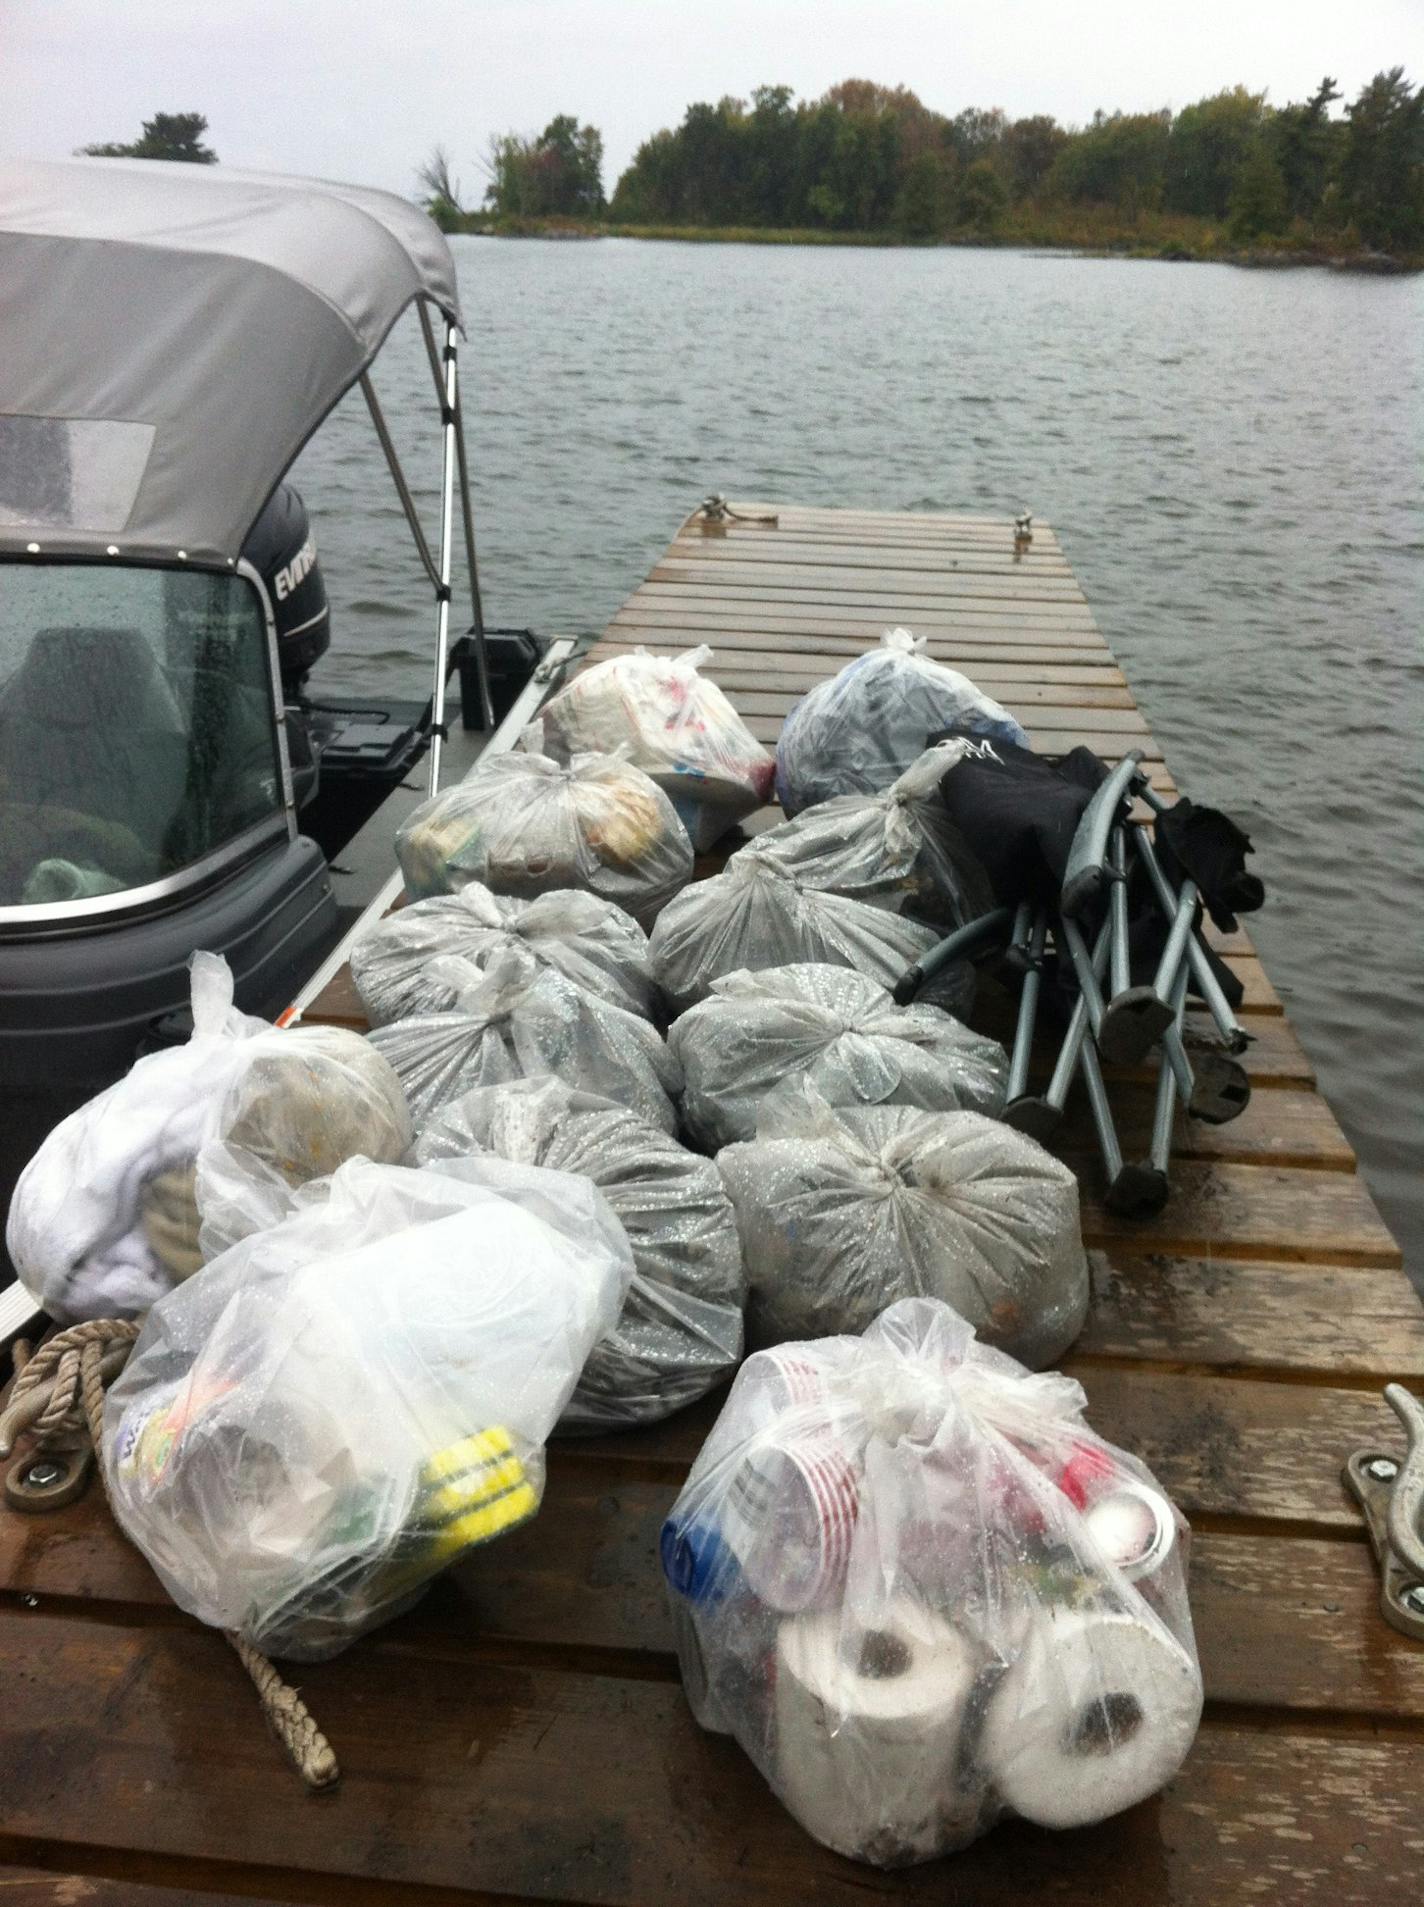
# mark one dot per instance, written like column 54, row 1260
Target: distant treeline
column 874, row 159
column 867, row 157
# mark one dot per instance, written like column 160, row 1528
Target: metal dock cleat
column 1390, row 1493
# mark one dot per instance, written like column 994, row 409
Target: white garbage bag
column 854, row 733
column 923, row 1595
column 835, row 1029
column 518, row 1019
column 757, row 913
column 674, row 724
column 896, row 848
column 842, row 1211
column 680, row 1330
column 339, row 1408
column 105, row 1217
column 523, row 825
column 589, row 941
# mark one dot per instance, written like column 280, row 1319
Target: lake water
column 1231, row 459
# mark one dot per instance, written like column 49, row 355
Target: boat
column 522, row 1736
column 170, row 775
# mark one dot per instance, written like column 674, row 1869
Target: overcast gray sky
column 362, row 92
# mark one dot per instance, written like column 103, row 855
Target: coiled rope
column 58, row 1396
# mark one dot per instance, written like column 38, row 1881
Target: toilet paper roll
column 868, row 1731
column 1096, row 1713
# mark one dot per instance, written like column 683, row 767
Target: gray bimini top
column 171, row 335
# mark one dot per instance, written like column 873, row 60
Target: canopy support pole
column 449, row 392
column 393, row 464
column 486, row 710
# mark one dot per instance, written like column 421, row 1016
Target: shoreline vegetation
column 1153, row 236
column 1319, row 181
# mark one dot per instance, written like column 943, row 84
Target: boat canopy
column 173, row 334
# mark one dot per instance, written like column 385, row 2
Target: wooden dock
column 522, row 1736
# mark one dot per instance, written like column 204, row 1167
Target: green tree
column 1027, row 151
column 1120, row 159
column 922, row 203
column 165, row 136
column 1381, row 167
column 1207, row 145
column 559, row 174
column 1258, row 194
column 1306, row 140
column 980, row 201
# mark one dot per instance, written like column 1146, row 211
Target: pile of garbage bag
column 107, row 1215
column 680, row 1329
column 674, row 724
column 522, row 824
column 858, row 731
column 344, row 1405
column 835, row 1029
column 517, row 1019
column 589, row 941
column 895, row 848
column 843, row 1210
column 758, row 913
column 922, row 1594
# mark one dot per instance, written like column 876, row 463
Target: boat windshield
column 137, row 733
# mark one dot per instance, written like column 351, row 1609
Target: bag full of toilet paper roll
column 858, row 731
column 339, row 1408
column 835, row 1029
column 842, row 1210
column 523, row 824
column 674, row 724
column 680, row 1330
column 106, row 1216
column 924, row 1595
column 519, row 1019
column 758, row 913
column 589, row 941
column 895, row 848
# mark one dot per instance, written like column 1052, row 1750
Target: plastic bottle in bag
column 858, row 731
column 844, row 1210
column 105, row 1217
column 676, row 725
column 523, row 824
column 680, row 1330
column 835, row 1029
column 922, row 1594
column 340, row 1407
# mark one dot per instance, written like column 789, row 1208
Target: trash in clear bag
column 856, row 732
column 591, row 942
column 895, row 848
column 518, row 1019
column 680, row 1330
column 676, row 725
column 341, row 1407
column 757, row 913
column 106, row 1215
column 522, row 824
column 843, row 1210
column 922, row 1594
column 835, row 1029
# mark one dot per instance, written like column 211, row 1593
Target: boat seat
column 89, row 723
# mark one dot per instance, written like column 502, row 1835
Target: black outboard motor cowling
column 281, row 547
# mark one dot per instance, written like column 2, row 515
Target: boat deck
column 522, row 1735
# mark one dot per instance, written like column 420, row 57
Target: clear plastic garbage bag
column 895, row 849
column 854, row 733
column 341, row 1407
column 589, row 941
column 842, row 1211
column 523, row 825
column 518, row 1019
column 757, row 913
column 923, row 1595
column 680, row 1330
column 835, row 1029
column 676, row 725
column 106, row 1215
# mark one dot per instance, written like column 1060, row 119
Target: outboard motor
column 281, row 547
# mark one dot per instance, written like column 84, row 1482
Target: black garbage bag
column 1206, row 846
